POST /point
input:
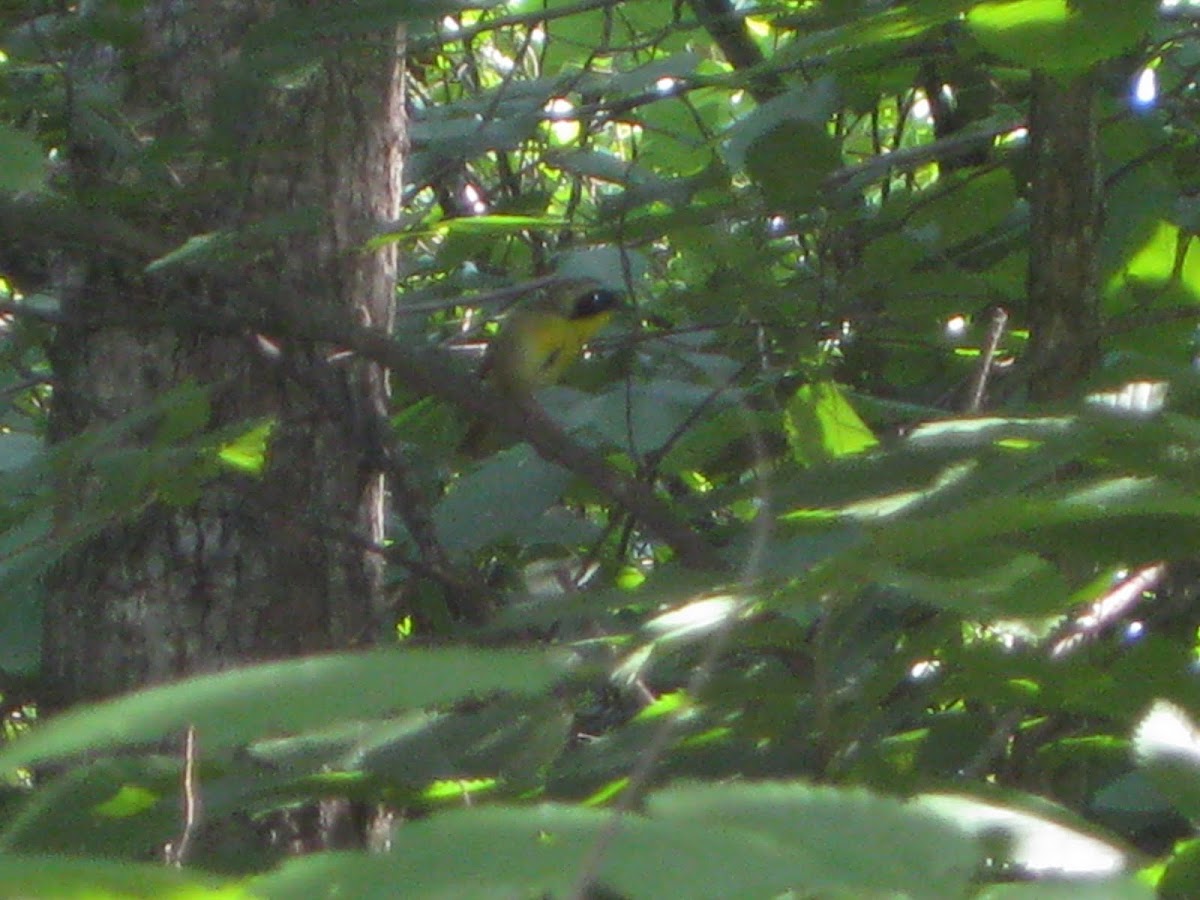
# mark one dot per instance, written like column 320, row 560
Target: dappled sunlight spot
column 474, row 199
column 665, row 704
column 881, row 507
column 544, row 579
column 1137, row 398
column 956, row 326
column 971, row 430
column 705, row 738
column 921, row 108
column 811, row 514
column 498, row 60
column 563, row 125
column 1145, row 89
column 458, row 789
column 762, row 28
column 633, row 665
column 1128, row 489
column 924, row 670
column 1018, row 444
column 1166, row 731
column 1029, row 841
column 695, row 618
column 129, row 800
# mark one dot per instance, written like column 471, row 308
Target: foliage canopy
column 938, row 611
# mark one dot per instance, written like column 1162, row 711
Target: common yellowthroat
column 538, row 343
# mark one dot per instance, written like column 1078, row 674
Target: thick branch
column 724, row 25
column 429, row 373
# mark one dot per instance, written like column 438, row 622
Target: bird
column 535, row 347
column 538, row 343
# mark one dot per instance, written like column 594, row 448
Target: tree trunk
column 296, row 148
column 1065, row 219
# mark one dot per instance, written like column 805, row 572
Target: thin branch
column 909, row 158
column 177, row 852
column 987, row 358
column 536, row 17
column 430, row 373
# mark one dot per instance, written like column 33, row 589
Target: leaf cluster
column 945, row 652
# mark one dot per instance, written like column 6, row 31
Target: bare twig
column 987, row 358
column 177, row 852
column 1106, row 610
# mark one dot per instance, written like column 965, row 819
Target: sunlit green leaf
column 88, row 879
column 1059, row 35
column 248, row 452
column 823, row 426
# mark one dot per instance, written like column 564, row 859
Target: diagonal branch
column 429, row 373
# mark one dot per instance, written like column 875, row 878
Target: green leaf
column 1022, row 585
column 22, row 161
column 674, row 144
column 647, row 416
column 247, row 453
column 21, row 608
column 185, row 417
column 198, row 250
column 1038, row 842
column 786, row 147
column 881, row 30
column 65, row 878
column 1163, row 271
column 823, row 426
column 1063, row 36
column 235, row 707
column 511, row 738
column 605, row 265
column 111, row 807
column 570, row 39
column 838, row 841
column 790, row 162
column 965, row 207
column 504, row 497
column 1182, row 876
column 1128, row 888
column 1127, row 520
column 1167, row 746
column 770, row 839
column 19, row 449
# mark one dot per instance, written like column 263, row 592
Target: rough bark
column 307, row 159
column 1065, row 219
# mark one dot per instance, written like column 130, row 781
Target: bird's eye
column 593, row 303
